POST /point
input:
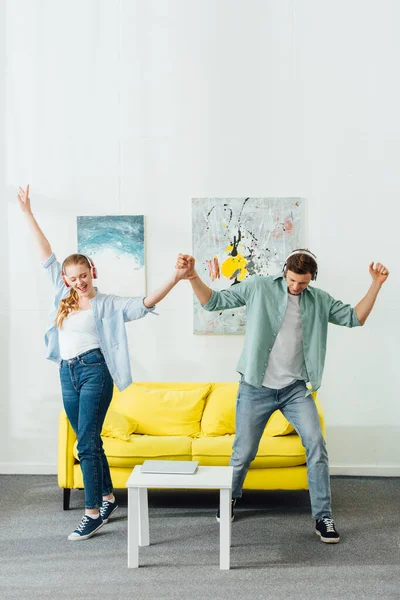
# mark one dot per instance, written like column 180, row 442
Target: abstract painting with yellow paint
column 234, row 238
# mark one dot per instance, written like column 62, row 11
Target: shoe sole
column 79, row 538
column 219, row 519
column 113, row 510
column 327, row 540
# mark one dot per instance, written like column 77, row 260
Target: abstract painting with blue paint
column 117, row 246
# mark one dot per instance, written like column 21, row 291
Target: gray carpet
column 275, row 553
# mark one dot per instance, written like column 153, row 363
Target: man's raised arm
column 379, row 274
column 210, row 299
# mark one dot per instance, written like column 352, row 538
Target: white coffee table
column 138, row 510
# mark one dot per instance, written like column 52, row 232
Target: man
column 282, row 362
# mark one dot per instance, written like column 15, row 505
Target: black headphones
column 308, row 253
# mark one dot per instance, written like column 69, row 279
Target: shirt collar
column 280, row 276
column 97, row 293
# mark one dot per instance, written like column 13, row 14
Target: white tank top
column 78, row 334
column 286, row 360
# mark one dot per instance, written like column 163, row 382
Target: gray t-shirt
column 286, row 361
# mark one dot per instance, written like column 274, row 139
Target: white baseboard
column 366, row 470
column 28, row 469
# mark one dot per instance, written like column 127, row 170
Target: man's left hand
column 379, row 272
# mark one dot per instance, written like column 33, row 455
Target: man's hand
column 184, row 268
column 379, row 273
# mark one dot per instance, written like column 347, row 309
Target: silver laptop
column 173, row 467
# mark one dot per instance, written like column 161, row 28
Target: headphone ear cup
column 94, row 272
column 64, row 279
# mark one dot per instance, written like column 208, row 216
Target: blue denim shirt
column 265, row 299
column 110, row 315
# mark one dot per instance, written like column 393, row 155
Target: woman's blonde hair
column 70, row 303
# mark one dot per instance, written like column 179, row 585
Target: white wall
column 135, row 107
column 4, row 312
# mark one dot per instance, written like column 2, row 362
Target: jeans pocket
column 92, row 359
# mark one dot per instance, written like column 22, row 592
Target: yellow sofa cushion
column 282, row 451
column 162, row 411
column 118, row 426
column 219, row 414
column 141, row 447
column 278, row 478
column 278, row 425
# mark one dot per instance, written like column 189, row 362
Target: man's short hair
column 302, row 261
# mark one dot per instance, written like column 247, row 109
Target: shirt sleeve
column 132, row 308
column 53, row 270
column 342, row 314
column 235, row 296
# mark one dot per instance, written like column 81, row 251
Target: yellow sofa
column 184, row 421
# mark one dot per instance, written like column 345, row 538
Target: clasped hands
column 184, row 267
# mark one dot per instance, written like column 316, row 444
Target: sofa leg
column 66, row 498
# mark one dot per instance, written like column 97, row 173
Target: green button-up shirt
column 265, row 299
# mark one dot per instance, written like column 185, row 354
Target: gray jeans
column 254, row 407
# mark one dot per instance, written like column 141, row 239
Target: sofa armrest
column 320, row 413
column 66, row 459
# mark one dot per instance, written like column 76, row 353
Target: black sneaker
column 107, row 509
column 86, row 528
column 325, row 528
column 218, row 516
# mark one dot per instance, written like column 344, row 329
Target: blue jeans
column 87, row 389
column 253, row 409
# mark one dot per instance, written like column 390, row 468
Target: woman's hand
column 184, row 268
column 43, row 243
column 24, row 200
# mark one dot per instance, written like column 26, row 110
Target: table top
column 204, row 478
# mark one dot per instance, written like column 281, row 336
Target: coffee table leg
column 144, row 536
column 133, row 527
column 225, row 528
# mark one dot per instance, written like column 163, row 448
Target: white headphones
column 308, row 253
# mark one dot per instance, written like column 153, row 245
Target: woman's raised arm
column 42, row 242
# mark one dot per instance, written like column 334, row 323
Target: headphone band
column 307, row 253
column 91, row 263
column 93, row 270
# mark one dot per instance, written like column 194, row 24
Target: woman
column 87, row 338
